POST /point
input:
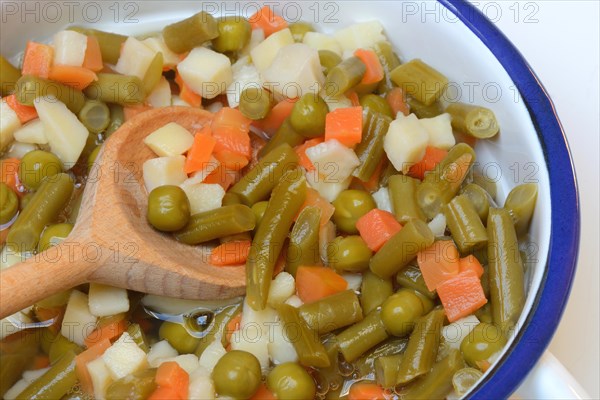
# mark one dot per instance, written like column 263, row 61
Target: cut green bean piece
column 136, row 386
column 423, row 111
column 401, row 248
column 332, row 312
column 480, row 199
column 328, row 60
column 376, row 104
column 255, row 103
column 285, row 134
column 420, row 80
column 286, row 200
column 386, row 370
column 344, row 76
column 114, row 88
column 153, row 73
column 360, row 337
column 31, row 87
column 507, row 289
column 479, row 122
column 231, row 199
column 110, row 43
column 218, row 223
column 138, row 336
column 299, row 29
column 389, row 60
column 234, row 34
column 55, row 382
column 9, row 75
column 219, row 327
column 303, row 248
column 61, row 345
column 95, row 116
column 19, row 356
column 374, row 291
column 370, row 150
column 438, row 382
column 365, row 365
column 192, row 32
column 403, row 194
column 411, row 277
column 487, row 183
column 117, row 117
column 520, row 203
column 465, row 225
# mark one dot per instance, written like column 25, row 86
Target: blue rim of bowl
column 545, row 314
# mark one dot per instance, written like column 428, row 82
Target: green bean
column 328, row 60
column 507, row 290
column 386, row 370
column 255, row 103
column 31, row 87
column 153, row 73
column 411, row 277
column 332, row 312
column 53, row 235
column 138, row 336
column 480, row 199
column 423, row 111
column 479, row 122
column 389, row 60
column 60, row 346
column 344, row 76
column 114, row 88
column 303, row 248
column 420, row 80
column 365, row 365
column 465, row 225
column 219, row 327
column 9, row 206
column 464, row 379
column 520, row 203
column 110, row 43
column 192, row 32
column 136, row 386
column 422, row 347
column 9, row 75
column 376, row 104
column 215, row 224
column 285, row 134
column 117, row 118
column 370, row 150
column 349, row 253
column 231, row 199
column 330, row 377
column 299, row 29
column 487, row 183
column 55, row 382
column 484, row 314
column 286, row 200
column 257, row 184
column 360, row 337
column 401, row 248
column 438, row 382
column 374, row 291
column 311, row 352
column 403, row 194
column 50, row 199
column 18, row 357
column 95, row 116
column 234, row 34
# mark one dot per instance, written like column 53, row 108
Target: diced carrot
column 373, row 183
column 376, row 227
column 230, row 253
column 222, row 176
column 231, row 160
column 313, row 198
column 187, row 94
column 353, row 97
column 25, row 113
column 171, row 375
column 131, row 111
column 9, row 173
column 268, row 21
column 263, row 393
column 367, row 391
column 470, row 263
column 276, row 116
column 40, row 361
column 110, row 331
column 438, row 263
column 397, row 102
column 314, row 283
column 77, row 77
column 165, row 393
column 374, row 72
column 37, row 59
column 199, row 154
column 81, row 361
column 345, row 125
column 93, row 56
column 433, row 156
column 232, row 326
column 230, row 127
column 461, row 295
column 301, row 152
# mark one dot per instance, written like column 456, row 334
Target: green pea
column 349, row 253
column 484, row 341
column 290, row 381
column 234, row 34
column 350, row 205
column 9, row 203
column 168, row 208
column 308, row 115
column 299, row 29
column 178, row 337
column 376, row 104
column 36, row 165
column 53, row 235
column 259, row 211
column 237, row 374
column 400, row 312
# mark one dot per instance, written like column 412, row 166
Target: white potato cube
column 65, row 133
column 256, row 38
column 354, row 281
column 455, row 332
column 187, row 362
column 19, row 149
column 78, row 321
column 328, row 190
column 162, row 171
column 295, row 71
column 161, row 94
column 265, row 52
column 9, row 123
column 333, row 161
column 206, row 72
column 382, row 199
column 321, row 41
column 212, row 354
column 170, row 140
column 159, row 351
column 158, row 45
column 124, row 357
column 135, row 58
column 333, row 103
column 294, row 301
column 107, row 300
column 177, row 101
column 281, row 289
column 360, row 36
column 438, row 225
column 32, row 132
column 245, row 75
column 440, row 131
column 281, row 348
column 101, row 377
column 203, row 196
column 201, row 386
column 69, row 48
column 405, row 142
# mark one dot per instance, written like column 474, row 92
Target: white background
column 560, row 40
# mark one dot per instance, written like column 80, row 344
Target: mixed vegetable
column 378, row 262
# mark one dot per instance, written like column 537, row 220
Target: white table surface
column 560, row 40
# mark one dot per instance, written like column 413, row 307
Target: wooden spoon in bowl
column 112, row 243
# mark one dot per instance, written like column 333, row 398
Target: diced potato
column 177, row 101
column 69, row 48
column 245, row 75
column 382, row 199
column 163, row 171
column 282, row 287
column 405, row 142
column 124, row 357
column 19, row 149
column 107, row 300
column 159, row 351
column 135, row 58
column 265, row 52
column 321, row 41
column 158, row 45
column 455, row 332
column 281, row 348
column 362, row 35
column 333, row 161
column 161, row 94
column 188, row 362
column 206, row 72
column 212, row 354
column 438, row 225
column 353, row 280
column 440, row 131
column 65, row 133
column 328, row 190
column 295, row 71
column 32, row 132
column 101, row 377
column 78, row 321
column 294, row 301
column 203, row 196
column 9, row 123
column 201, row 386
column 256, row 38
column 170, row 140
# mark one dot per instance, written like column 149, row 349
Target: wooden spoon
column 112, row 243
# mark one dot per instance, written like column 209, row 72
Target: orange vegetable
column 438, row 263
column 230, row 128
column 263, row 393
column 202, row 148
column 268, row 21
column 165, row 393
column 276, row 116
column 301, row 151
column 93, row 56
column 171, row 375
column 40, row 361
column 110, row 332
column 374, row 72
column 221, row 176
column 376, row 227
column 230, row 253
column 81, row 361
column 313, row 198
column 232, row 326
column 25, row 113
column 314, row 283
column 131, row 111
column 77, row 77
column 187, row 94
column 433, row 156
column 345, row 125
column 353, row 97
column 231, row 160
column 367, row 391
column 470, row 263
column 3, row 236
column 461, row 295
column 397, row 102
column 9, row 173
column 37, row 59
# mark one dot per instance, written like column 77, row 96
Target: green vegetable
column 370, row 150
column 360, row 337
column 168, row 208
column 95, row 115
column 438, row 382
column 308, row 115
column 153, row 73
column 259, row 211
column 9, row 203
column 178, row 337
column 374, row 291
column 419, row 80
column 403, row 194
column 376, row 104
column 303, row 248
column 479, row 122
column 231, row 199
column 117, row 118
column 465, row 225
column 299, row 29
column 400, row 312
column 481, row 344
column 36, row 165
column 289, row 381
column 389, row 60
column 218, row 329
column 234, row 34
column 9, row 75
column 92, row 158
column 192, row 32
column 110, row 43
column 55, row 382
column 464, row 379
column 255, row 103
column 520, row 203
column 349, row 253
column 137, row 386
column 285, row 134
column 423, row 111
column 479, row 198
column 332, row 312
column 218, row 223
column 31, row 87
column 344, row 76
column 53, row 235
column 18, row 357
column 328, row 60
column 114, row 88
column 138, row 336
column 237, row 374
column 411, row 277
column 386, row 370
column 350, row 205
